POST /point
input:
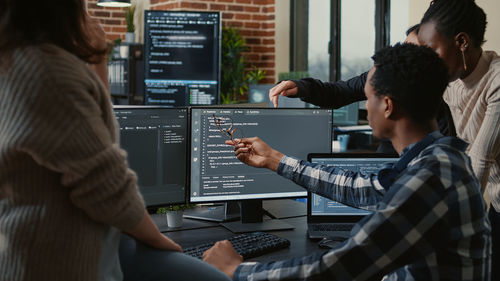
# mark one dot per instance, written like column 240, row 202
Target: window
column 338, row 38
column 319, row 37
column 399, row 20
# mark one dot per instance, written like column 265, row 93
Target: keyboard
column 329, row 230
column 331, row 227
column 248, row 245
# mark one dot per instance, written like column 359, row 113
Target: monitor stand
column 219, row 213
column 251, row 219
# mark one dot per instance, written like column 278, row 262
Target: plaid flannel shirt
column 429, row 225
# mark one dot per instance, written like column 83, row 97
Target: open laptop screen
column 364, row 163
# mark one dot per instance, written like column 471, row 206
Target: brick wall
column 254, row 18
column 112, row 19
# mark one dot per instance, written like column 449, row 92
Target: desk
column 300, row 245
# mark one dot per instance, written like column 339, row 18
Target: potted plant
column 174, row 213
column 129, row 19
column 235, row 78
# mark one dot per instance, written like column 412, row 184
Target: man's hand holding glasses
column 251, row 151
column 226, row 126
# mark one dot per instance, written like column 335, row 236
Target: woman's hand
column 223, row 256
column 284, row 88
column 169, row 244
column 147, row 232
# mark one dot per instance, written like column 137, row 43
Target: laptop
column 330, row 219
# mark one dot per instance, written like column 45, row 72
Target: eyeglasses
column 226, row 126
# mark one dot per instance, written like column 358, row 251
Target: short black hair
column 455, row 16
column 415, row 28
column 413, row 76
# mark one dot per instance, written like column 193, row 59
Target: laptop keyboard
column 248, row 245
column 327, row 227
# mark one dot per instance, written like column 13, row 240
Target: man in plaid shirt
column 428, row 220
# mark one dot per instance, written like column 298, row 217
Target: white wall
column 492, row 36
column 282, row 37
column 490, row 7
column 417, row 10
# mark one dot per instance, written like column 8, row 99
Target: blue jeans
column 143, row 263
column 494, row 217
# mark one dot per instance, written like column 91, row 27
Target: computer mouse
column 330, row 242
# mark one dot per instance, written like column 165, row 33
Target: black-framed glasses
column 226, row 126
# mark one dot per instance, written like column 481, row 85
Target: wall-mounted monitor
column 182, row 58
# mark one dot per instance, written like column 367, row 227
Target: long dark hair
column 59, row 22
column 455, row 16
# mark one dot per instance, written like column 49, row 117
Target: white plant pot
column 124, row 51
column 130, row 37
column 174, row 218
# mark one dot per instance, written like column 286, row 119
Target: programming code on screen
column 156, row 145
column 181, row 58
column 216, row 173
column 323, row 206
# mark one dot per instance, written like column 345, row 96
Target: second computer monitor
column 217, row 175
column 155, row 139
column 182, row 58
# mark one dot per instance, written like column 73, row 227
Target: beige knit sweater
column 63, row 178
column 475, row 106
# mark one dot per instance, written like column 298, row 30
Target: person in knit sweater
column 455, row 30
column 66, row 192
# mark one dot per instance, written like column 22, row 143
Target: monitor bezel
column 226, row 107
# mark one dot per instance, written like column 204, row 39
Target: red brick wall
column 254, row 18
column 112, row 19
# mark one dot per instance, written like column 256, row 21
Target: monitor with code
column 182, row 58
column 217, row 175
column 155, row 139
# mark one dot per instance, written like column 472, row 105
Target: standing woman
column 66, row 192
column 455, row 30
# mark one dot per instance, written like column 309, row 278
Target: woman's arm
column 485, row 149
column 325, row 94
column 332, row 94
column 147, row 232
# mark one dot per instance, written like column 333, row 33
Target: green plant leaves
column 129, row 18
column 174, row 207
column 234, row 74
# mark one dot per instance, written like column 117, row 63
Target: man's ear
column 388, row 104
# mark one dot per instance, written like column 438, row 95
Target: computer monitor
column 346, row 115
column 366, row 163
column 155, row 139
column 182, row 58
column 217, row 175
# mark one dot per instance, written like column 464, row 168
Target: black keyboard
column 332, row 227
column 248, row 245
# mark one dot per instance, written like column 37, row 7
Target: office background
column 268, row 27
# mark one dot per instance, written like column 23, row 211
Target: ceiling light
column 113, row 3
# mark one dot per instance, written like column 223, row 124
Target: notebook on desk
column 327, row 218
